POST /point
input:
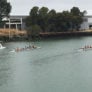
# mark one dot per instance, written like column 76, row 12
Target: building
column 15, row 22
column 87, row 23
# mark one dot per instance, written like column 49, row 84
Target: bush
column 34, row 31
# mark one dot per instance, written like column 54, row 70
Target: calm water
column 58, row 66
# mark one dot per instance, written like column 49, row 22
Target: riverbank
column 14, row 35
column 66, row 34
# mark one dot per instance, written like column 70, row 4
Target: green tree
column 51, row 21
column 52, row 12
column 43, row 18
column 34, row 15
column 34, row 31
column 77, row 18
column 28, row 21
column 66, row 20
column 32, row 19
column 5, row 9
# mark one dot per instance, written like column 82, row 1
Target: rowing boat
column 90, row 48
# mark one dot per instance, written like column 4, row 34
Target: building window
column 90, row 26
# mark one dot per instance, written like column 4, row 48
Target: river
column 57, row 66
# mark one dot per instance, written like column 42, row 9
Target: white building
column 15, row 22
column 87, row 24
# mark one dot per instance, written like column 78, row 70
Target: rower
column 34, row 47
column 17, row 49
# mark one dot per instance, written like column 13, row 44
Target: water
column 58, row 66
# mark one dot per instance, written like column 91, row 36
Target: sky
column 23, row 7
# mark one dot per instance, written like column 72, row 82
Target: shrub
column 34, row 31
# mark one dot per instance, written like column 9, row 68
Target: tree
column 52, row 12
column 77, row 17
column 43, row 18
column 34, row 31
column 75, row 11
column 5, row 9
column 32, row 19
column 66, row 20
column 51, row 21
column 34, row 15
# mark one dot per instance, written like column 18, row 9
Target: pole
column 9, row 28
column 17, row 29
column 21, row 23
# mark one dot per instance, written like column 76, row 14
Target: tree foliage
column 77, row 18
column 51, row 21
column 34, row 30
column 5, row 9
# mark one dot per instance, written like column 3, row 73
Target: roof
column 17, row 16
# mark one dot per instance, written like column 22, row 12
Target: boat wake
column 12, row 51
column 2, row 47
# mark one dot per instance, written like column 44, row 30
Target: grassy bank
column 12, row 32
